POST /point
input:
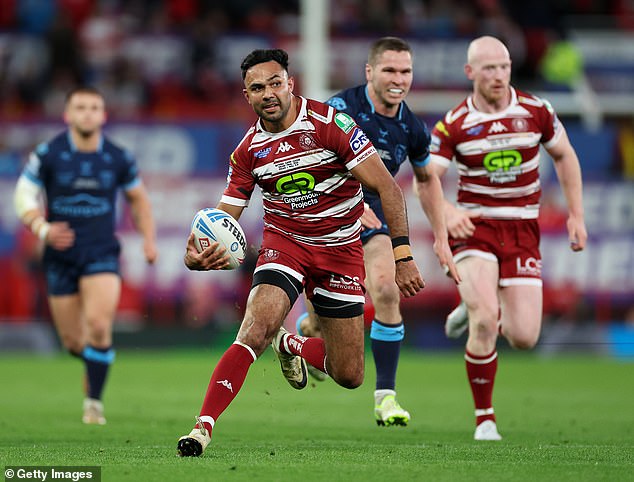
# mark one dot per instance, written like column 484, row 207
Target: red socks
column 481, row 373
column 226, row 381
column 313, row 350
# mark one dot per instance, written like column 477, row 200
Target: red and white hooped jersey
column 308, row 191
column 497, row 155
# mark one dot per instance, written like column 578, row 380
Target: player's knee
column 100, row 334
column 72, row 341
column 523, row 341
column 350, row 376
column 385, row 292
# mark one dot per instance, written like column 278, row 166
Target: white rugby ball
column 212, row 225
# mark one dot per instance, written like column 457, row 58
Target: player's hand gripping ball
column 212, row 225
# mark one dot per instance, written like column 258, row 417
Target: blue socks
column 386, row 348
column 300, row 318
column 97, row 361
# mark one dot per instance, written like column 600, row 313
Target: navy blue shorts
column 62, row 277
column 375, row 204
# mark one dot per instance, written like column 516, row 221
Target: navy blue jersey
column 397, row 139
column 81, row 189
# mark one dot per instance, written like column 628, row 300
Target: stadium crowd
column 167, row 58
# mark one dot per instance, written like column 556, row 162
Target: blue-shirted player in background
column 399, row 136
column 80, row 172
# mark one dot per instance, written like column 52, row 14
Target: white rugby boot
column 388, row 411
column 487, row 430
column 457, row 321
column 293, row 366
column 93, row 412
column 194, row 444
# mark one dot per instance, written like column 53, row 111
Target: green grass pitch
column 563, row 419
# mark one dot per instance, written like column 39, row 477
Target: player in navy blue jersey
column 399, row 136
column 80, row 172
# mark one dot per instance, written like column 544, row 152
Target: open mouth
column 396, row 91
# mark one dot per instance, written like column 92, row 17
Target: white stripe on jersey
column 502, row 192
column 530, row 211
column 344, row 235
column 512, row 140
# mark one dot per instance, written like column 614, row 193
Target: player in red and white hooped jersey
column 309, row 161
column 309, row 193
column 494, row 137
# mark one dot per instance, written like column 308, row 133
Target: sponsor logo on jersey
column 503, row 166
column 81, row 206
column 284, row 147
column 531, row 267
column 299, row 182
column 344, row 121
column 475, row 130
column 302, row 201
column 497, row 127
column 520, row 125
column 261, row 154
column 86, row 183
column 358, row 140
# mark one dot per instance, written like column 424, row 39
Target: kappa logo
column 497, row 127
column 226, row 384
column 480, row 381
column 284, row 147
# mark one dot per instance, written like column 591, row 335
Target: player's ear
column 246, row 95
column 368, row 72
column 468, row 70
column 291, row 84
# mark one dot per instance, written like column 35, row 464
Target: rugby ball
column 212, row 225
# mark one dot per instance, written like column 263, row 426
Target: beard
column 85, row 133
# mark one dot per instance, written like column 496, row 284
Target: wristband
column 404, row 260
column 40, row 227
column 43, row 231
column 400, row 241
column 402, row 251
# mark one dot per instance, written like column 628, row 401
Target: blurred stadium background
column 170, row 73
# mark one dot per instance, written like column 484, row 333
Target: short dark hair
column 387, row 43
column 83, row 89
column 260, row 56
